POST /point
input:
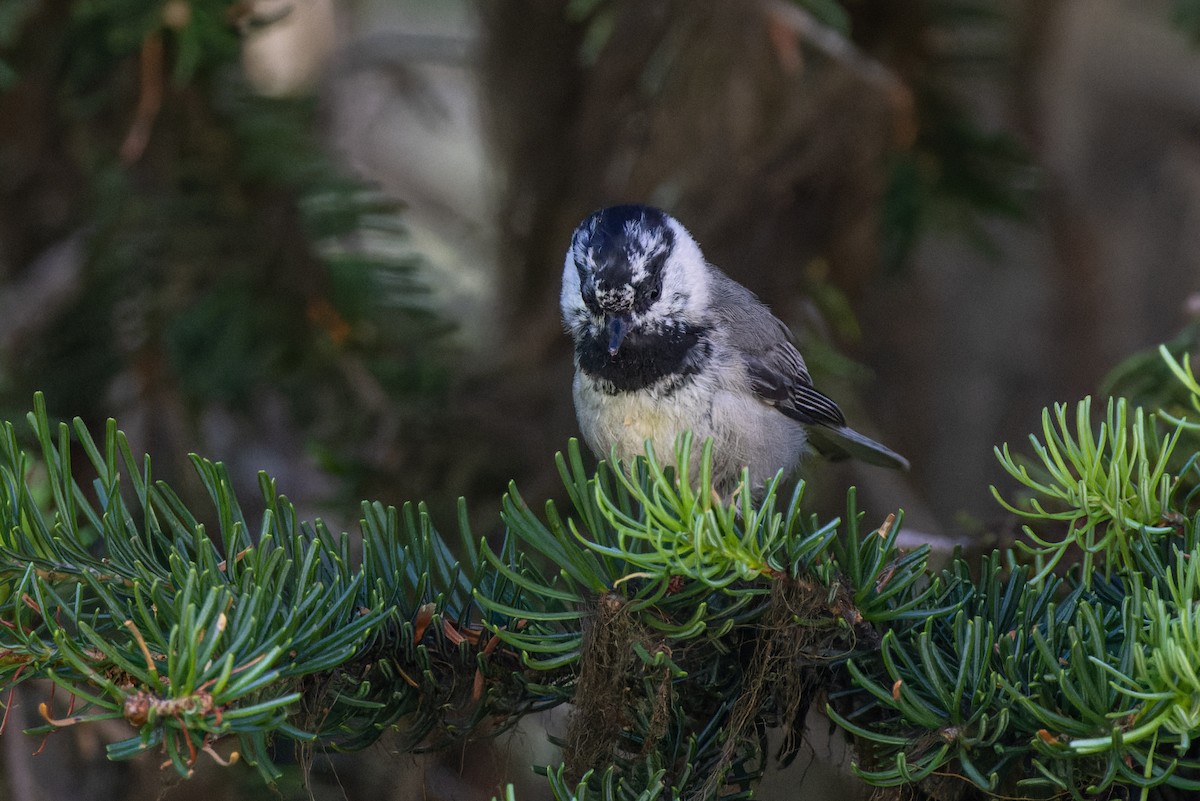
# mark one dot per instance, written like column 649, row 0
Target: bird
column 666, row 342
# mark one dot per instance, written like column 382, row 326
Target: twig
column 149, row 100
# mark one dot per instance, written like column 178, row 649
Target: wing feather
column 778, row 375
column 776, row 369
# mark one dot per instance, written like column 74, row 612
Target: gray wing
column 777, row 371
column 778, row 375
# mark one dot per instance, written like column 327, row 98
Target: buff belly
column 745, row 431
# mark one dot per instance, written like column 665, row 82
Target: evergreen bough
column 681, row 625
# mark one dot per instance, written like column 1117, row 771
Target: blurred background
column 324, row 239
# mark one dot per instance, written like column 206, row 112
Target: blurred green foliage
column 1186, row 15
column 955, row 174
column 225, row 255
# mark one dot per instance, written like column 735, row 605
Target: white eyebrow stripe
column 650, row 243
column 637, row 271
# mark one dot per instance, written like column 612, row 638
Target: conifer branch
column 681, row 625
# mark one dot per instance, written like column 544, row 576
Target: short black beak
column 618, row 327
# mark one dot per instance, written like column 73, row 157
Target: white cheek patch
column 685, row 277
column 574, row 311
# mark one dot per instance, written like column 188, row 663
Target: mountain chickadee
column 665, row 342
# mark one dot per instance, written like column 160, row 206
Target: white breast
column 745, row 431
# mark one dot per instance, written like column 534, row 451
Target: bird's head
column 632, row 269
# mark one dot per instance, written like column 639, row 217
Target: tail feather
column 844, row 442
